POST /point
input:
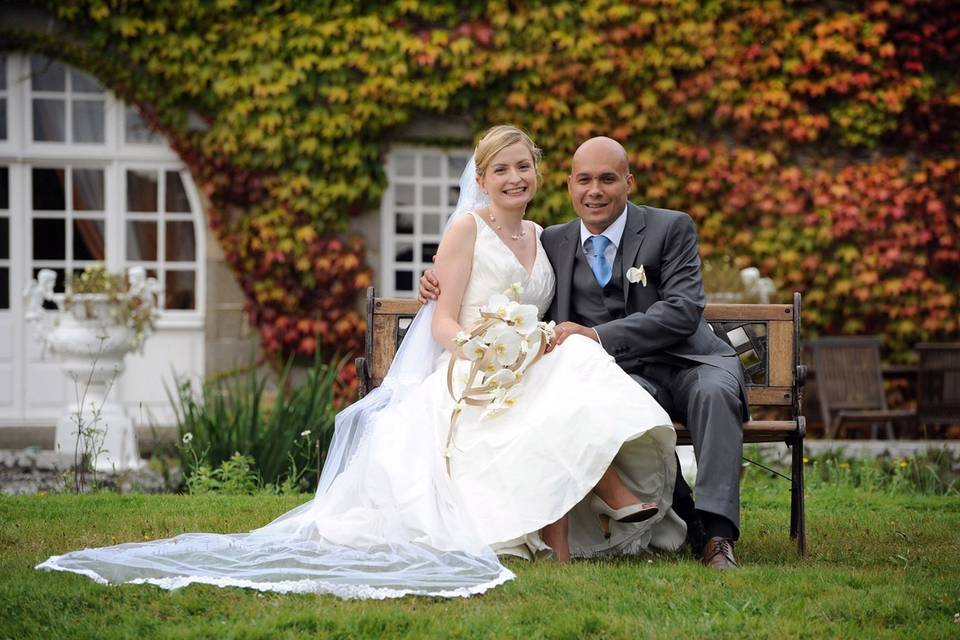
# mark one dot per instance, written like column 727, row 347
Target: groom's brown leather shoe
column 718, row 554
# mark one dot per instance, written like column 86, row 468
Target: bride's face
column 510, row 178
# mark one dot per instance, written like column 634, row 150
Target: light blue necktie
column 598, row 262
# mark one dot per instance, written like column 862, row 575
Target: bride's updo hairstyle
column 498, row 138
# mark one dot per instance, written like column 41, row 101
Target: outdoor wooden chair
column 850, row 386
column 765, row 336
column 938, row 383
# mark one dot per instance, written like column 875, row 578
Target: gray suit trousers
column 706, row 399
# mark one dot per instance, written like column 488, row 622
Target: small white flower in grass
column 304, row 434
column 497, row 305
column 187, row 438
column 474, row 348
column 637, row 274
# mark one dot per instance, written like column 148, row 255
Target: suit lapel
column 632, row 239
column 566, row 251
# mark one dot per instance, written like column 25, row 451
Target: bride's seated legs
column 555, row 536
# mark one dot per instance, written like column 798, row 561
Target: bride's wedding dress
column 388, row 520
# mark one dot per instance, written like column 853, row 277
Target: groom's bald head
column 599, row 182
column 605, row 147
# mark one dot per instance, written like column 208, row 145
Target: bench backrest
column 766, row 337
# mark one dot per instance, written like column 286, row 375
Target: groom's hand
column 566, row 329
column 429, row 286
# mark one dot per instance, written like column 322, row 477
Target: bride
column 581, row 465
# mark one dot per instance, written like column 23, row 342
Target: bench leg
column 798, row 528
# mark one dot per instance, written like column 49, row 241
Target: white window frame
column 390, row 240
column 114, row 155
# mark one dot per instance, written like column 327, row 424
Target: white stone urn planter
column 91, row 334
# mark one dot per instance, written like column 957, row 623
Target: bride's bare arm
column 453, row 265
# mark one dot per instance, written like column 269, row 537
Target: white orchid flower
column 503, row 399
column 523, row 317
column 473, row 349
column 506, row 346
column 497, row 305
column 501, row 378
column 637, row 274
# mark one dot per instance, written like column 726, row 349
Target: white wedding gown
column 389, row 521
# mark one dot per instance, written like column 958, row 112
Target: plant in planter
column 101, row 317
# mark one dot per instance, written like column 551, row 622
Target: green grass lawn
column 879, row 565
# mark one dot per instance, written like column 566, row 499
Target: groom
column 629, row 277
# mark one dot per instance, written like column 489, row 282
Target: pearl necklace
column 518, row 236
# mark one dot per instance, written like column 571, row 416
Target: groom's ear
column 630, row 183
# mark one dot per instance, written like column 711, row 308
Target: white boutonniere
column 637, row 274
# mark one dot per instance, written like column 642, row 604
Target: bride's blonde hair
column 498, row 138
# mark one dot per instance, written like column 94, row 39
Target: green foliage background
column 817, row 141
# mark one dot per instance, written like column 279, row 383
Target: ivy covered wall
column 817, row 141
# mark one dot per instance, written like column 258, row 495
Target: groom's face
column 599, row 185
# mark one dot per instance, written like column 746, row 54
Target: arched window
column 84, row 180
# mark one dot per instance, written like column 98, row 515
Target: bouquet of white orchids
column 506, row 341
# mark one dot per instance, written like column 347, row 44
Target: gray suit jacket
column 666, row 316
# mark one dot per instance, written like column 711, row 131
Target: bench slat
column 739, row 312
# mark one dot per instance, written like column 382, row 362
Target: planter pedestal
column 90, row 338
column 91, row 356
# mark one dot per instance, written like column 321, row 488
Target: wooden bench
column 766, row 336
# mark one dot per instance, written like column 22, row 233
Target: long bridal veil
column 385, row 521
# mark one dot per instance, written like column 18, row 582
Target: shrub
column 284, row 434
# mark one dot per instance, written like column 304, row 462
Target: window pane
column 3, row 73
column 88, row 122
column 453, row 194
column 3, row 118
column 88, row 241
column 137, row 131
column 403, row 280
column 431, row 166
column 455, row 166
column 60, row 286
column 403, row 195
column 141, row 241
column 4, row 188
column 181, row 245
column 176, row 196
column 84, row 83
column 180, row 290
column 431, row 223
column 47, row 75
column 88, row 190
column 404, row 252
column 49, row 121
column 48, row 190
column 4, row 238
column 404, row 223
column 141, row 190
column 49, row 239
column 406, row 164
column 428, row 250
column 430, row 196
column 4, row 288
